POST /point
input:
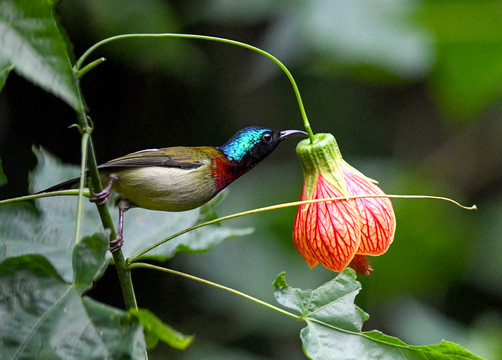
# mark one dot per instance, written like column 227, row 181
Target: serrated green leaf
column 33, row 263
column 143, row 228
column 44, row 317
column 334, row 325
column 24, row 231
column 207, row 211
column 335, row 297
column 156, row 330
column 445, row 350
column 30, row 40
column 49, row 171
column 48, row 228
column 121, row 334
column 89, row 261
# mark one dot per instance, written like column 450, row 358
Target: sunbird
column 180, row 178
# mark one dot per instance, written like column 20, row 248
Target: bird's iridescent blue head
column 252, row 144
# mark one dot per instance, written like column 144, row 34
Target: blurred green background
column 412, row 91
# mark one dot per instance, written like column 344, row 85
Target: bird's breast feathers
column 166, row 188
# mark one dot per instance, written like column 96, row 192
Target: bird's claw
column 116, row 244
column 101, row 197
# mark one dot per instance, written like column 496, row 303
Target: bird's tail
column 68, row 184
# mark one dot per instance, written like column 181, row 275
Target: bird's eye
column 267, row 137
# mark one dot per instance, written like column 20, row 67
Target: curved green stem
column 210, row 283
column 290, row 204
column 306, row 123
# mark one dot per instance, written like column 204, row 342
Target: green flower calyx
column 321, row 157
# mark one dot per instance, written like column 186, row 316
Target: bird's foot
column 101, row 197
column 116, row 244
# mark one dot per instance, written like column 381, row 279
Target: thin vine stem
column 78, row 66
column 291, row 204
column 83, row 167
column 70, row 192
column 216, row 285
column 123, row 273
column 81, row 72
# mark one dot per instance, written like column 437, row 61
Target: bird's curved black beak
column 285, row 133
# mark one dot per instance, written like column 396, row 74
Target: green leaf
column 334, row 325
column 5, row 69
column 207, row 211
column 120, row 333
column 44, row 316
column 143, row 228
column 24, row 231
column 336, row 296
column 444, row 350
column 89, row 261
column 156, row 330
column 30, row 40
column 3, row 178
column 48, row 228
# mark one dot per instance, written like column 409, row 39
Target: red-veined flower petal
column 327, row 232
column 299, row 235
column 378, row 222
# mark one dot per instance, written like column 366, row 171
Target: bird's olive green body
column 166, row 189
column 188, row 178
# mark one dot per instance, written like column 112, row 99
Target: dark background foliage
column 411, row 90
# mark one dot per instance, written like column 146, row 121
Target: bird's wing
column 179, row 157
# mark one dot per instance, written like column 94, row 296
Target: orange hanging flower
column 339, row 233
